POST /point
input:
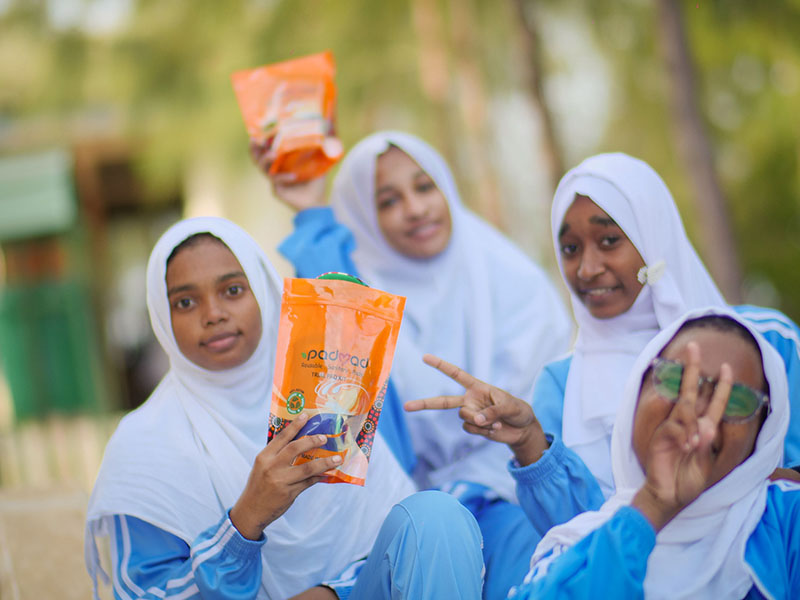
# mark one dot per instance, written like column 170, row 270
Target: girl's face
column 215, row 317
column 600, row 262
column 412, row 212
column 734, row 442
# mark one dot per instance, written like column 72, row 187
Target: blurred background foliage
column 513, row 92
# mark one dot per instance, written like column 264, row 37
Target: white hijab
column 182, row 459
column 480, row 304
column 632, row 194
column 700, row 553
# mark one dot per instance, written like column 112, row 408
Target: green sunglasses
column 743, row 402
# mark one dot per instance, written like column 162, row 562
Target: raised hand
column 298, row 195
column 275, row 482
column 679, row 459
column 262, row 155
column 488, row 411
column 787, row 474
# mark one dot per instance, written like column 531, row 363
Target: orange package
column 289, row 107
column 336, row 341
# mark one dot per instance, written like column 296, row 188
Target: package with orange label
column 289, row 107
column 336, row 341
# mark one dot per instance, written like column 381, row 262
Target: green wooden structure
column 48, row 341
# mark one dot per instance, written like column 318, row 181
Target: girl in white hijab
column 472, row 296
column 631, row 270
column 672, row 280
column 694, row 514
column 397, row 221
column 194, row 503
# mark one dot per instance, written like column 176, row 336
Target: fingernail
column 302, row 417
column 695, row 439
column 336, row 459
column 322, row 439
column 480, row 419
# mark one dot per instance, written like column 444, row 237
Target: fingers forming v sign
column 262, row 155
column 680, row 459
column 485, row 409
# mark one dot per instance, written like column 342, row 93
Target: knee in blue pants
column 429, row 547
column 509, row 540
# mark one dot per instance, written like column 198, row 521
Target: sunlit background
column 117, row 117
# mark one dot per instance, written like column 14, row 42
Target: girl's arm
column 224, row 562
column 149, row 563
column 783, row 334
column 559, row 485
column 555, row 488
column 610, row 562
column 275, row 481
column 318, row 244
column 553, row 483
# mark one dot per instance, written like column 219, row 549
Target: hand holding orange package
column 289, row 107
column 336, row 341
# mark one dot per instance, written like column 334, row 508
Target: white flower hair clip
column 652, row 273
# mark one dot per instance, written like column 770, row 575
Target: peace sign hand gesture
column 679, row 458
column 488, row 411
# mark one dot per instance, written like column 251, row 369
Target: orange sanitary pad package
column 289, row 107
column 336, row 341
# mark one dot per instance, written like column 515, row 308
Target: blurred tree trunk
column 695, row 150
column 471, row 99
column 533, row 80
column 433, row 69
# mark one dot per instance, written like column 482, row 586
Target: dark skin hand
column 316, row 593
column 296, row 195
column 275, row 481
column 788, row 474
column 488, row 411
column 679, row 459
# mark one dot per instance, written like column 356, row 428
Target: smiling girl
column 396, row 220
column 197, row 505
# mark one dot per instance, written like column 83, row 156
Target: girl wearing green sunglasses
column 694, row 514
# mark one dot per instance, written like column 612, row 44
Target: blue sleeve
column 790, row 517
column 559, row 485
column 319, row 244
column 393, row 426
column 556, row 487
column 548, row 395
column 610, row 562
column 773, row 550
column 783, row 334
column 150, row 564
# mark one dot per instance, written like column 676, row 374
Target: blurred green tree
column 437, row 68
